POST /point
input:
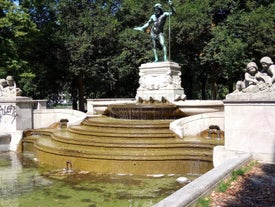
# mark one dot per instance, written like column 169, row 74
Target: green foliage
column 131, row 55
column 44, row 52
column 27, row 83
column 236, row 173
column 16, row 28
column 244, row 35
column 203, row 202
column 59, row 46
column 222, row 187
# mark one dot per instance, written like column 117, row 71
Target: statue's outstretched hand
column 138, row 28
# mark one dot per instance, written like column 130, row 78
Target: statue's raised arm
column 158, row 20
column 145, row 26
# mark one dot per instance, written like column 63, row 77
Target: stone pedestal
column 15, row 113
column 160, row 81
column 250, row 125
column 15, row 116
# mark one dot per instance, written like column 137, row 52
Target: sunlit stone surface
column 160, row 81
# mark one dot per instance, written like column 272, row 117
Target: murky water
column 23, row 184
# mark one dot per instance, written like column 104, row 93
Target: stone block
column 160, row 81
column 249, row 127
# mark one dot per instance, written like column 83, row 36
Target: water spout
column 214, row 131
column 69, row 167
column 63, row 123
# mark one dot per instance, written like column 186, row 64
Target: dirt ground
column 256, row 188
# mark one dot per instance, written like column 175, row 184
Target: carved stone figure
column 257, row 81
column 239, row 87
column 155, row 82
column 269, row 68
column 158, row 20
column 8, row 87
column 214, row 131
column 3, row 83
column 252, row 79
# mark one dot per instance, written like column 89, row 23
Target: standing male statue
column 158, row 19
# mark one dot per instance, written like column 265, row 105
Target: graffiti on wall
column 7, row 112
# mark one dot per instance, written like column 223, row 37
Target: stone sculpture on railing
column 257, row 81
column 8, row 88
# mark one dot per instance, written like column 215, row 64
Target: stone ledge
column 192, row 125
column 203, row 185
column 16, row 99
column 160, row 64
column 260, row 97
column 46, row 117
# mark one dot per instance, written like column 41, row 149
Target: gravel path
column 256, row 188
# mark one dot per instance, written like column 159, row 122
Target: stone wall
column 192, row 125
column 250, row 127
column 15, row 114
column 15, row 117
column 21, row 113
column 45, row 117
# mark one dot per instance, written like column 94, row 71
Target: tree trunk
column 214, row 90
column 203, row 87
column 81, row 92
column 74, row 94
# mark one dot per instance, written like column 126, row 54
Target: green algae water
column 23, row 184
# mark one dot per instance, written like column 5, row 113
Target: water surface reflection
column 24, row 184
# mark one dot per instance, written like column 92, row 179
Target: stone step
column 159, row 152
column 108, row 145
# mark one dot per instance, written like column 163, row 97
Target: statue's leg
column 155, row 50
column 162, row 42
column 156, row 55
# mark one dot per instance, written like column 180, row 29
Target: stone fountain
column 129, row 138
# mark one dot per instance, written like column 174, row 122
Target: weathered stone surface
column 160, row 82
column 8, row 88
column 250, row 111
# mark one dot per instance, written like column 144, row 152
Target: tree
column 245, row 35
column 16, row 29
column 89, row 48
column 45, row 52
column 134, row 47
column 190, row 33
column 88, row 29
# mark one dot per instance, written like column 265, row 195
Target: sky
column 16, row 2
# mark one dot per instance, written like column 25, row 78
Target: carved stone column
column 160, row 81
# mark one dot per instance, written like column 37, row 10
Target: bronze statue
column 158, row 20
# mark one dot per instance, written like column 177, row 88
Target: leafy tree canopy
column 16, row 28
column 89, row 48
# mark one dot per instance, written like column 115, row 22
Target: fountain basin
column 109, row 145
column 188, row 107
